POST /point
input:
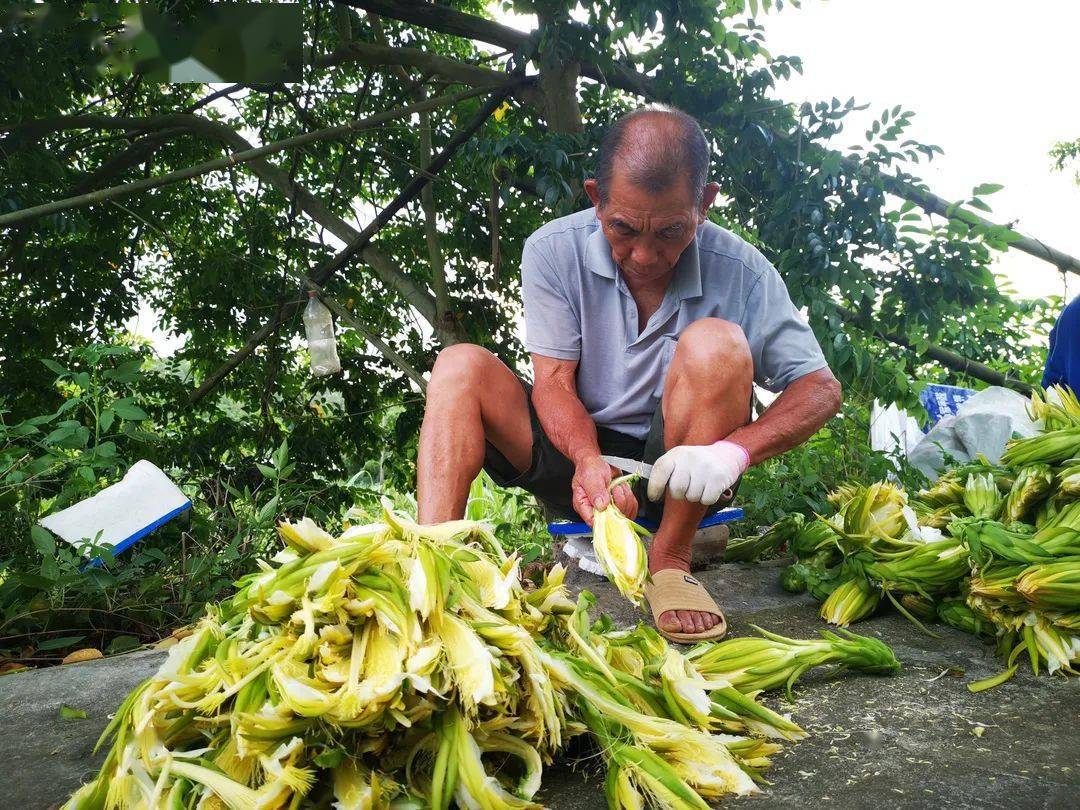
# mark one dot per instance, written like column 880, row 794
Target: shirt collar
column 686, row 283
column 598, row 253
column 687, row 280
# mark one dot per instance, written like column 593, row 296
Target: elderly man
column 647, row 325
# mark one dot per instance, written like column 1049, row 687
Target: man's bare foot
column 680, row 621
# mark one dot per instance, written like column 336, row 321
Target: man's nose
column 643, row 255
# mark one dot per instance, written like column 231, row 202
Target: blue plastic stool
column 563, row 528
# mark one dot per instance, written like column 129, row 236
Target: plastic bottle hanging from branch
column 322, row 346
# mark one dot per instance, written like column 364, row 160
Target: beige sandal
column 672, row 589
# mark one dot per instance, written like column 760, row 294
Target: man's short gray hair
column 654, row 158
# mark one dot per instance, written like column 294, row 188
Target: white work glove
column 698, row 473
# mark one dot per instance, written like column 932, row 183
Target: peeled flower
column 1051, row 586
column 875, row 512
column 852, row 600
column 305, row 535
column 620, row 551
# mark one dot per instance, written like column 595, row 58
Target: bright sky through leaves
column 970, row 72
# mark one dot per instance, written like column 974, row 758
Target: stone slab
column 918, row 739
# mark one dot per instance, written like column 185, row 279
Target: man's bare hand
column 592, row 476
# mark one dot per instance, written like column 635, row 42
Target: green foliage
column 1065, row 154
column 58, row 458
column 214, row 257
column 109, row 415
column 516, row 518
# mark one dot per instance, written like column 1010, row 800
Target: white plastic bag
column 892, row 431
column 983, row 425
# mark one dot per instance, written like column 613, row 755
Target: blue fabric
column 1063, row 360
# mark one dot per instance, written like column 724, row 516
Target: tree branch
column 431, row 228
column 342, row 257
column 947, row 358
column 450, row 21
column 933, row 204
column 375, row 56
column 558, row 84
column 37, row 211
column 445, row 20
column 308, row 203
column 138, row 152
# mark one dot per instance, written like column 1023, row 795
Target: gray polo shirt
column 578, row 307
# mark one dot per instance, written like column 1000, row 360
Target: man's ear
column 594, row 192
column 708, row 197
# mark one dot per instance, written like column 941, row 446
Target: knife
column 629, row 465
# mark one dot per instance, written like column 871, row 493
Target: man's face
column 648, row 232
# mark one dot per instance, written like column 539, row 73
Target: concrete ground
column 918, row 739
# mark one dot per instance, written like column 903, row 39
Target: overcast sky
column 992, row 82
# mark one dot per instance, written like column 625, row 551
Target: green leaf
column 59, row 643
column 106, row 418
column 268, row 510
column 122, row 644
column 43, row 540
column 126, row 409
column 268, row 472
column 55, row 367
column 60, row 434
column 984, row 189
column 329, row 758
column 68, row 713
column 88, row 475
column 125, row 372
column 40, row 583
column 281, row 455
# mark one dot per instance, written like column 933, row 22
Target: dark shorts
column 550, row 472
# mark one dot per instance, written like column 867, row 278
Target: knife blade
column 629, row 465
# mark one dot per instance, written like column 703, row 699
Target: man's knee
column 460, row 364
column 710, row 345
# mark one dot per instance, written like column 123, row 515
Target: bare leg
column 472, row 396
column 706, row 397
